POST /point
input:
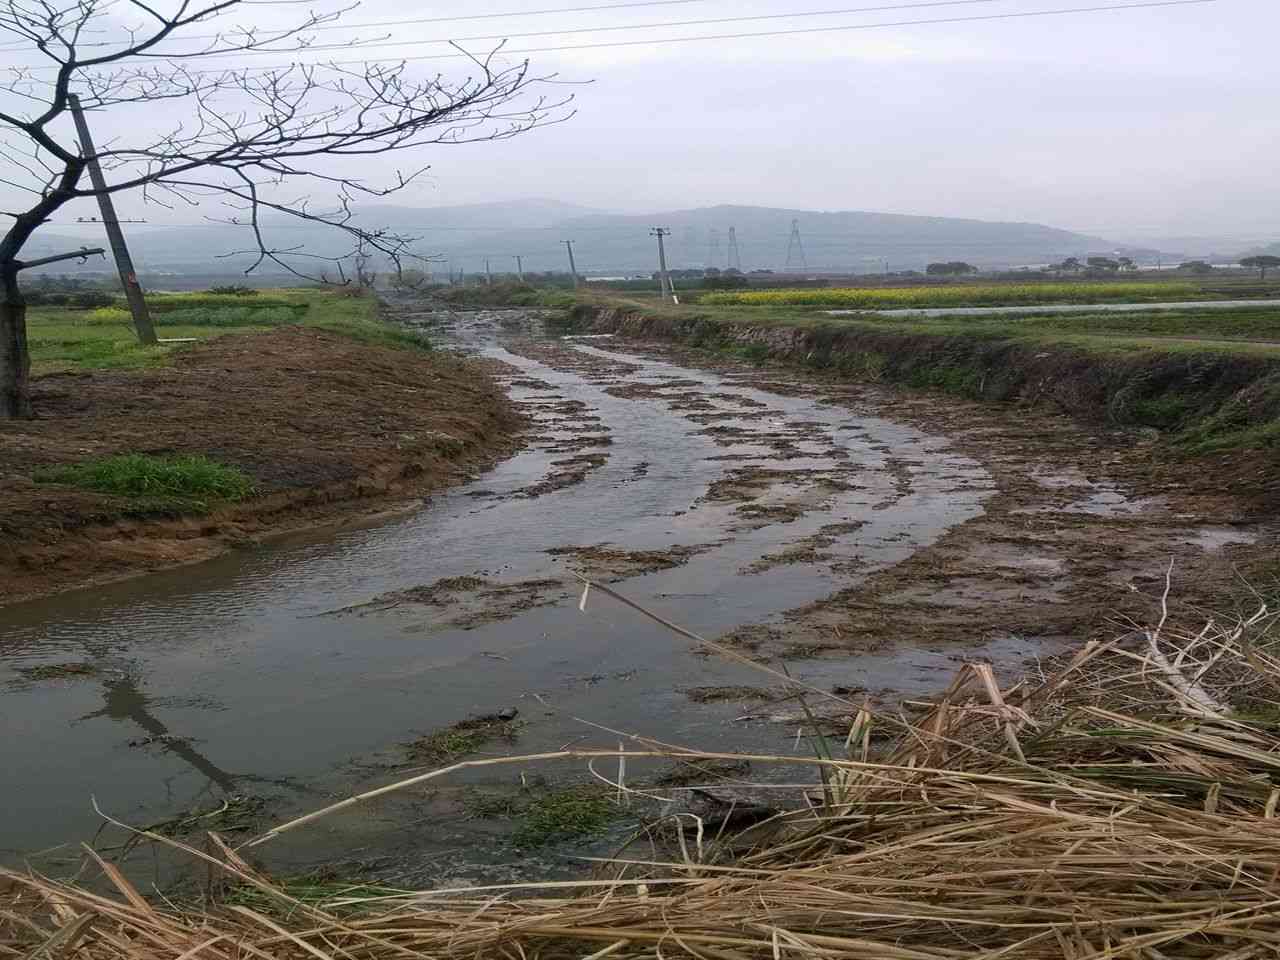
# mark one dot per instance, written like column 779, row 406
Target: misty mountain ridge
column 534, row 230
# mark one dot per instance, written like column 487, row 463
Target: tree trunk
column 15, row 360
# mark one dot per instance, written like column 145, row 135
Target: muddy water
column 276, row 673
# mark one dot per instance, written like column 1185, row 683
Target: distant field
column 1190, row 323
column 63, row 338
column 966, row 295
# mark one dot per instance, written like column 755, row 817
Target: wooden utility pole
column 573, row 267
column 488, row 274
column 664, row 278
column 115, row 236
column 519, row 268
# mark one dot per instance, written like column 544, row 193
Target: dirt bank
column 1222, row 409
column 1080, row 525
column 329, row 429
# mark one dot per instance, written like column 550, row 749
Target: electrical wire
column 842, row 28
column 400, row 23
column 1147, row 4
column 630, row 26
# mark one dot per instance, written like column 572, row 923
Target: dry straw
column 1121, row 806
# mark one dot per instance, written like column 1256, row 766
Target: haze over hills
column 605, row 243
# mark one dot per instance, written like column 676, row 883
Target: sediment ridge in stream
column 1220, row 408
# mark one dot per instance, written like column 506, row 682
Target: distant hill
column 843, row 241
column 613, row 243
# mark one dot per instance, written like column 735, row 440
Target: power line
column 606, row 29
column 400, row 23
column 768, row 33
column 843, row 28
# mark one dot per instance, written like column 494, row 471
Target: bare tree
column 253, row 140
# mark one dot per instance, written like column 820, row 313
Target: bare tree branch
column 254, row 140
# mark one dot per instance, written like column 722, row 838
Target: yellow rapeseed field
column 966, row 295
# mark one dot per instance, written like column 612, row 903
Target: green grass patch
column 1158, row 369
column 376, row 333
column 540, row 818
column 467, row 736
column 564, row 815
column 188, row 479
column 274, row 300
column 55, row 348
column 64, row 339
column 207, row 316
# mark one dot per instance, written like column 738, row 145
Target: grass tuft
column 570, row 813
column 564, row 815
column 467, row 736
column 140, row 476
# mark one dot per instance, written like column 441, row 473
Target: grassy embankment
column 1208, row 379
column 63, row 338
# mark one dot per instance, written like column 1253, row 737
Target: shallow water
column 236, row 675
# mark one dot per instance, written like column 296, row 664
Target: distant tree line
column 952, row 268
column 1261, row 263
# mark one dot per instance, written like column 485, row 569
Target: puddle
column 1215, row 538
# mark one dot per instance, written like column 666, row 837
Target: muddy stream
column 293, row 674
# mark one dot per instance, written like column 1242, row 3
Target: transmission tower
column 713, row 247
column 795, row 249
column 735, row 261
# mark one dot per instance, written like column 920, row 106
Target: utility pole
column 573, row 267
column 488, row 274
column 519, row 268
column 115, row 236
column 664, row 278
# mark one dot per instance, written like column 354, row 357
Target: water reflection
column 123, row 700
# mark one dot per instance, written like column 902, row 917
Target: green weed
column 468, row 736
column 377, row 334
column 566, row 814
column 114, row 352
column 186, row 478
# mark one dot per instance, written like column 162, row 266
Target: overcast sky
column 1132, row 124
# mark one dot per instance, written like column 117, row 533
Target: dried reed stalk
column 1106, row 811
